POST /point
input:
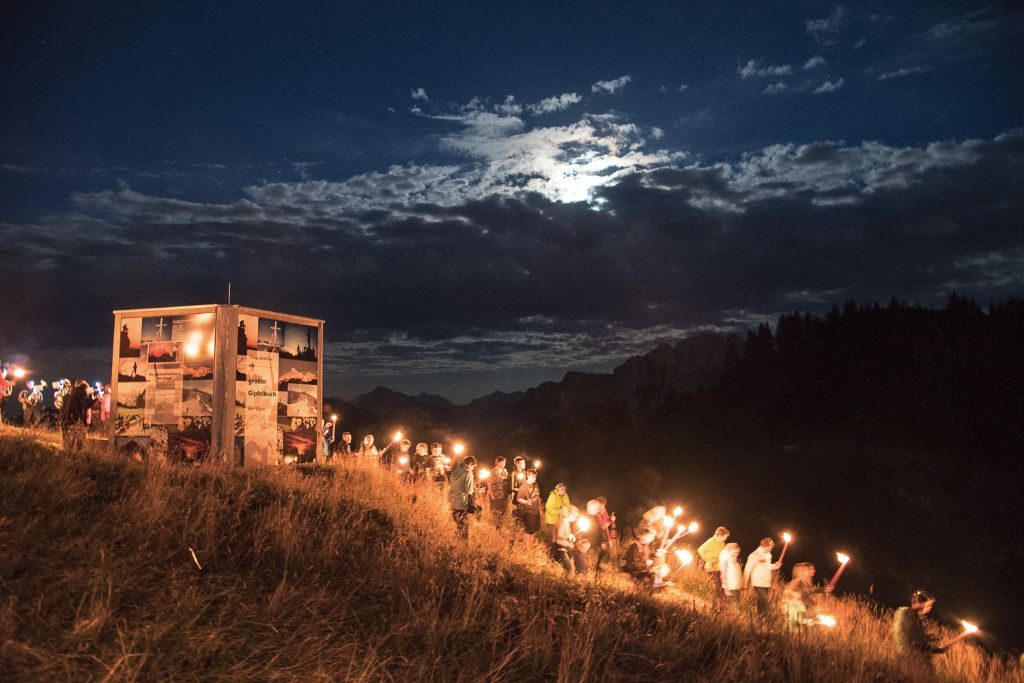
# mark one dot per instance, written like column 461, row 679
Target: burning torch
column 843, row 561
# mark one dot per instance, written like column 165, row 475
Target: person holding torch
column 759, row 572
column 908, row 629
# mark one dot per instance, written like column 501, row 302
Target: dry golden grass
column 351, row 575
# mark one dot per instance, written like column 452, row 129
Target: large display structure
column 218, row 381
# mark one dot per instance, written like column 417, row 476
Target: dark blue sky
column 483, row 195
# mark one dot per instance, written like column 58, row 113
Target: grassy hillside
column 350, row 575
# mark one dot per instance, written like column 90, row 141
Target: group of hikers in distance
column 587, row 541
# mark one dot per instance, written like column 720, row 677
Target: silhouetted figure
column 908, row 630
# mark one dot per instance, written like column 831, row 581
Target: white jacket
column 758, row 571
column 732, row 575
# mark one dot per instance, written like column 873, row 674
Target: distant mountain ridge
column 646, row 382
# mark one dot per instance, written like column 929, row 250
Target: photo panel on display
column 130, row 342
column 296, row 372
column 158, row 328
column 197, row 371
column 302, row 400
column 197, row 399
column 248, row 330
column 197, row 336
column 163, row 352
column 282, row 403
column 291, row 340
column 131, row 370
column 301, row 443
column 132, row 423
column 131, row 398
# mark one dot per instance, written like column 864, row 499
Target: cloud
column 406, row 264
column 755, row 68
column 860, row 43
column 612, row 86
column 419, row 95
column 829, row 86
column 555, row 103
column 826, row 31
column 904, row 72
column 775, row 88
column 814, row 62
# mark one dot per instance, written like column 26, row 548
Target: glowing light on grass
column 969, row 627
column 827, row 621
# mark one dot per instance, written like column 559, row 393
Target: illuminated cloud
column 814, row 62
column 904, row 72
column 826, row 31
column 754, row 68
column 611, row 87
column 556, row 103
column 829, row 86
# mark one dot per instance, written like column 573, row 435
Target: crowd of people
column 73, row 407
column 586, row 541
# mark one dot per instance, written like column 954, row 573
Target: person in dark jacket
column 497, row 491
column 73, row 416
column 528, row 503
column 461, row 493
column 344, row 449
column 908, row 630
column 638, row 560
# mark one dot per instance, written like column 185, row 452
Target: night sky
column 481, row 196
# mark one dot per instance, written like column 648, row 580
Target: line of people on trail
column 585, row 541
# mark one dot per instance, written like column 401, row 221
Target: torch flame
column 786, row 536
column 458, row 448
column 398, row 435
column 680, row 529
column 826, row 620
column 19, row 372
column 521, row 476
column 536, row 464
column 403, row 460
column 693, row 527
column 484, row 474
column 969, row 627
column 334, row 418
column 843, row 559
column 685, row 557
column 447, row 460
column 678, row 511
column 669, row 521
column 583, row 524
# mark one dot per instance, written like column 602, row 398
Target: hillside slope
column 345, row 574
